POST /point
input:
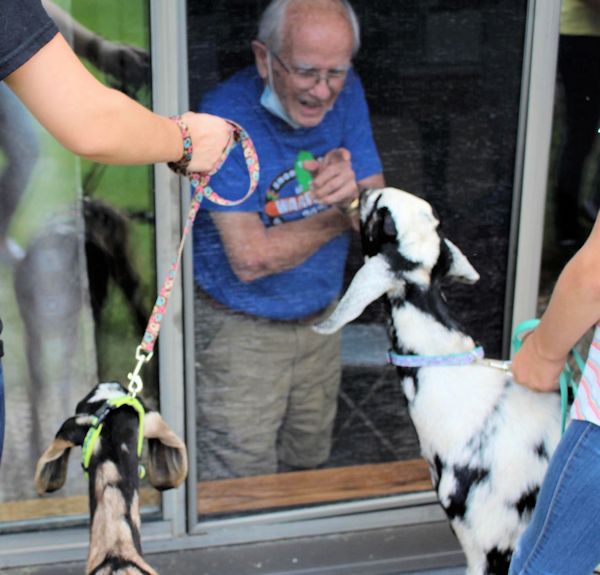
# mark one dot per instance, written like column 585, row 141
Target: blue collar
column 464, row 358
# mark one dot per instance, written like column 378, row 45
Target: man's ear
column 260, row 58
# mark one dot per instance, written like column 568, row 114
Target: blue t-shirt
column 317, row 281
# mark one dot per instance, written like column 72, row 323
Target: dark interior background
column 443, row 81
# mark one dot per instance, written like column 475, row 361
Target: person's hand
column 128, row 65
column 334, row 181
column 210, row 136
column 533, row 369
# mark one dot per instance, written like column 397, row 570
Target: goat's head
column 402, row 245
column 167, row 460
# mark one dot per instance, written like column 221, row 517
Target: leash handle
column 566, row 379
column 201, row 190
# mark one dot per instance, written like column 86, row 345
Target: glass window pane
column 573, row 194
column 78, row 282
column 442, row 82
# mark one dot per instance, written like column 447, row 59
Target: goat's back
column 488, row 443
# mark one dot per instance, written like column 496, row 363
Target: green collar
column 98, row 423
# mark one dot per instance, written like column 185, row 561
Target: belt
column 306, row 320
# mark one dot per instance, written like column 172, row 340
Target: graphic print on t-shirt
column 286, row 201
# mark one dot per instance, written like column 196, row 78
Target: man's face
column 314, row 43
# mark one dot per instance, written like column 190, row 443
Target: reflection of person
column 127, row 65
column 81, row 113
column 19, row 148
column 267, row 385
column 579, row 68
column 563, row 534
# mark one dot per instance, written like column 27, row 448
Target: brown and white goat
column 113, row 470
column 486, row 439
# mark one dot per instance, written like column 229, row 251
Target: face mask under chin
column 271, row 101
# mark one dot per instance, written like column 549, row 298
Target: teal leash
column 567, row 377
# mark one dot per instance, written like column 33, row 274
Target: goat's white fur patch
column 424, row 335
column 106, row 391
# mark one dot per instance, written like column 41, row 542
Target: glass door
column 443, row 85
column 78, row 271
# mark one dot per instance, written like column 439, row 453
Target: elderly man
column 268, row 268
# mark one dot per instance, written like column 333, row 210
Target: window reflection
column 77, row 262
column 574, row 180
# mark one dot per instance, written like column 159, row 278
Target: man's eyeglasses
column 307, row 78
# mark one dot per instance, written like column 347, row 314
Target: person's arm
column 103, row 124
column 255, row 251
column 574, row 307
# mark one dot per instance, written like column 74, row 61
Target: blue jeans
column 1, row 409
column 563, row 537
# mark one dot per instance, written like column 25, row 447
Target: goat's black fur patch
column 541, row 451
column 498, row 561
column 436, row 470
column 118, row 564
column 379, row 236
column 466, row 478
column 527, row 501
column 123, row 425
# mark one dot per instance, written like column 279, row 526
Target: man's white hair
column 270, row 28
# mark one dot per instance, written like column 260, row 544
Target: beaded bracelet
column 180, row 167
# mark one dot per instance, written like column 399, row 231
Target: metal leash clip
column 135, row 379
column 503, row 365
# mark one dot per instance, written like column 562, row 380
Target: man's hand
column 334, row 181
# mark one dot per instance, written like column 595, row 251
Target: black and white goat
column 486, row 439
column 113, row 470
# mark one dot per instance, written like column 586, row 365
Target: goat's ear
column 460, row 267
column 168, row 463
column 51, row 469
column 371, row 281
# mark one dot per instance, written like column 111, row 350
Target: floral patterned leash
column 201, row 189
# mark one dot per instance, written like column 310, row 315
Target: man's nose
column 322, row 89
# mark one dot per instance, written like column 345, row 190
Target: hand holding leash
column 201, row 190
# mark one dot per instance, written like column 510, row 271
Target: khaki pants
column 266, row 392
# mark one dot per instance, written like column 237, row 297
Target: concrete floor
column 172, row 564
